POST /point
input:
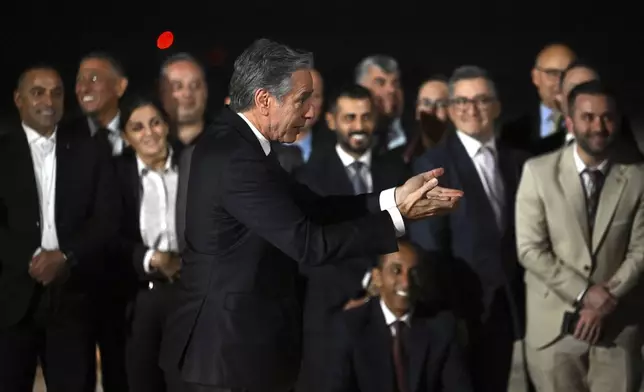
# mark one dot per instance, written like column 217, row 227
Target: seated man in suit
column 348, row 169
column 580, row 236
column 396, row 342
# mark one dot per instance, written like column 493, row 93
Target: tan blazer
column 554, row 243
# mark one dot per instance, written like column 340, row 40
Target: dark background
column 508, row 55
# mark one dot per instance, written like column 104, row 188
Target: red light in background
column 165, row 40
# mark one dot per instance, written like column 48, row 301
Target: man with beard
column 580, row 237
column 349, row 169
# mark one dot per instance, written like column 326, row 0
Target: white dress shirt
column 347, row 160
column 158, row 205
column 486, row 169
column 114, row 135
column 43, row 154
column 390, row 318
column 387, row 197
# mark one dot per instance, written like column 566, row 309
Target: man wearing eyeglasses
column 542, row 129
column 477, row 240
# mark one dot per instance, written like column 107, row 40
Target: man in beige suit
column 580, row 237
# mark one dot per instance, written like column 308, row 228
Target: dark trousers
column 316, row 354
column 59, row 337
column 144, row 340
column 490, row 346
column 110, row 332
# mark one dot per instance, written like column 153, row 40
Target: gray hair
column 178, row 57
column 265, row 65
column 467, row 72
column 387, row 64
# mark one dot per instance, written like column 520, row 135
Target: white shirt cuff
column 146, row 261
column 388, row 203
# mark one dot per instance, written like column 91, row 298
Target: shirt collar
column 33, row 136
column 348, row 159
column 472, row 146
column 142, row 168
column 391, row 318
column 266, row 145
column 545, row 112
column 581, row 166
column 112, row 126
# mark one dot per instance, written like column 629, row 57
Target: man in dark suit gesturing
column 237, row 324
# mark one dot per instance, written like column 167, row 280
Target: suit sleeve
column 628, row 274
column 101, row 226
column 430, row 234
column 341, row 376
column 533, row 243
column 264, row 203
column 335, row 208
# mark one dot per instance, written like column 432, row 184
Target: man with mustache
column 349, row 168
column 580, row 237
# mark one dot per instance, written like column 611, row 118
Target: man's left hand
column 46, row 266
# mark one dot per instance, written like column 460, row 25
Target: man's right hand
column 600, row 299
column 421, row 197
column 167, row 263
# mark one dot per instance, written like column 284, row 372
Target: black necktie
column 400, row 356
column 595, row 184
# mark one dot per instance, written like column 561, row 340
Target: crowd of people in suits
column 545, row 248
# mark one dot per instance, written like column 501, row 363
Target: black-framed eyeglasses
column 481, row 102
column 433, row 104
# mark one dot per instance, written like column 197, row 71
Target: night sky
column 508, row 56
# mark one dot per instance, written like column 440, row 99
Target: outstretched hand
column 421, row 197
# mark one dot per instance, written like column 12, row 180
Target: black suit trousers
column 144, row 340
column 60, row 340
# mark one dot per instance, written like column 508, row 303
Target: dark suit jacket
column 86, row 215
column 524, row 133
column 237, row 321
column 330, row 286
column 363, row 355
column 482, row 258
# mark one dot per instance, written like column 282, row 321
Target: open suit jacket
column 363, row 352
column 237, row 321
column 86, row 215
column 329, row 287
column 560, row 255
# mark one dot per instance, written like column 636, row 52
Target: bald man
column 542, row 129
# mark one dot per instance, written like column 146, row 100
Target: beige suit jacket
column 560, row 256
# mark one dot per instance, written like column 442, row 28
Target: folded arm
column 534, row 246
